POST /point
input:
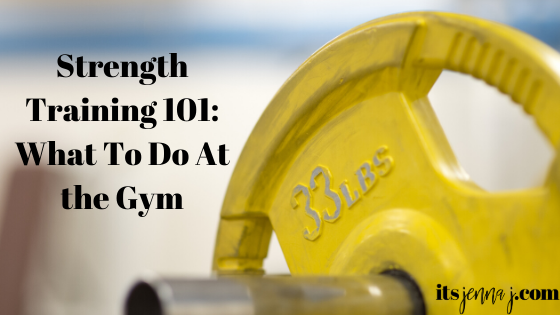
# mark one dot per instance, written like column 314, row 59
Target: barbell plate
column 351, row 169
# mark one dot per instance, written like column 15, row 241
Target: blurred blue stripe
column 166, row 40
column 172, row 39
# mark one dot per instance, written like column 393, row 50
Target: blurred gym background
column 238, row 53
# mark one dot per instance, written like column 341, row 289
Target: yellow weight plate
column 350, row 167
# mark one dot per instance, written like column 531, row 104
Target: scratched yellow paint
column 362, row 99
